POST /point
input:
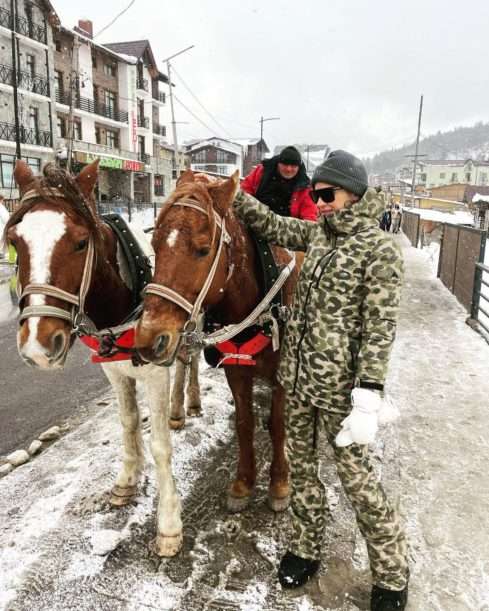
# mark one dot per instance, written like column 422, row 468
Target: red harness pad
column 240, row 354
column 125, row 340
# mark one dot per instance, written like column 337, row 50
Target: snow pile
column 480, row 198
column 458, row 217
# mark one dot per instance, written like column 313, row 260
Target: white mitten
column 360, row 426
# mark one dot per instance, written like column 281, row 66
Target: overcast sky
column 347, row 74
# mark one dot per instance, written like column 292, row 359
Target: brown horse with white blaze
column 188, row 243
column 68, row 263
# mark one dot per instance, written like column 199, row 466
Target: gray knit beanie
column 342, row 169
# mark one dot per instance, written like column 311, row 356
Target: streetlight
column 262, row 121
column 176, row 162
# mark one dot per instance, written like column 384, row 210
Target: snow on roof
column 480, row 198
column 458, row 217
column 128, row 58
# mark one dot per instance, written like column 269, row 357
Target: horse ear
column 23, row 175
column 223, row 193
column 187, row 176
column 87, row 178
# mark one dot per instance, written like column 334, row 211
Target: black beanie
column 342, row 169
column 290, row 156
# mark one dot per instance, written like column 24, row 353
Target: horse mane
column 53, row 181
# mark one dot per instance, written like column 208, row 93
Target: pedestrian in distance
column 281, row 183
column 333, row 367
column 386, row 220
column 396, row 218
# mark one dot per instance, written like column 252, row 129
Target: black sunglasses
column 326, row 194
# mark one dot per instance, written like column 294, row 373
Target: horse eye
column 203, row 252
column 81, row 245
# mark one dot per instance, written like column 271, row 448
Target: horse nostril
column 161, row 344
column 58, row 344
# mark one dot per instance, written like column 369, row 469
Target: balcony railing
column 144, row 157
column 27, row 135
column 92, row 106
column 142, row 83
column 24, row 26
column 25, row 80
column 159, row 129
column 143, row 122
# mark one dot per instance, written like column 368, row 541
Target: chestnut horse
column 187, row 243
column 68, row 264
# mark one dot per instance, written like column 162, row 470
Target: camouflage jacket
column 343, row 321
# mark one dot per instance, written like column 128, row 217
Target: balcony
column 25, row 80
column 144, row 157
column 159, row 96
column 24, row 26
column 160, row 130
column 143, row 122
column 92, row 106
column 27, row 135
column 142, row 83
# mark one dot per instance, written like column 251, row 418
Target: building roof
column 104, row 48
column 452, row 162
column 137, row 48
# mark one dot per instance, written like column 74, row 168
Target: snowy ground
column 62, row 547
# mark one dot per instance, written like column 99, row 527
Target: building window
column 112, row 138
column 34, row 163
column 222, row 157
column 159, row 185
column 34, row 119
column 483, row 178
column 141, row 144
column 94, row 60
column 109, row 69
column 7, row 170
column 77, row 130
column 442, row 174
column 57, row 44
column 98, row 135
column 61, row 127
column 468, row 177
column 30, row 62
column 454, row 177
column 109, row 101
column 200, row 157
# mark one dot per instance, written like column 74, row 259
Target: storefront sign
column 111, row 162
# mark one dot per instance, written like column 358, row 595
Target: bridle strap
column 168, row 293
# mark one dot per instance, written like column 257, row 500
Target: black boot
column 295, row 571
column 388, row 600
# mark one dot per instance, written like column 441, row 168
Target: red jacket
column 301, row 204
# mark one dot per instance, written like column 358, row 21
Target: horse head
column 192, row 263
column 56, row 233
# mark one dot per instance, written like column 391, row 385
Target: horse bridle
column 76, row 316
column 194, row 310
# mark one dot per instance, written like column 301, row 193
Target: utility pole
column 13, row 16
column 176, row 156
column 73, row 94
column 262, row 121
column 416, row 154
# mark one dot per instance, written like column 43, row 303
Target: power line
column 212, row 131
column 200, row 104
column 115, row 19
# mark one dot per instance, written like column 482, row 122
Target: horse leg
column 177, row 413
column 132, row 443
column 278, row 494
column 240, row 491
column 194, row 406
column 169, row 523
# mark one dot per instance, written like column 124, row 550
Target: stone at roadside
column 19, row 457
column 35, row 446
column 5, row 469
column 52, row 433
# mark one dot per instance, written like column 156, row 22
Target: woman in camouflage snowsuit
column 335, row 353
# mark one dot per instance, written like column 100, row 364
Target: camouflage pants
column 377, row 519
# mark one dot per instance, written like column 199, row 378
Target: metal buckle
column 82, row 325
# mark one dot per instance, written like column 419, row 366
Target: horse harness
column 265, row 315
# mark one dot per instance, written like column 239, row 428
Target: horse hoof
column 278, row 504
column 236, row 504
column 119, row 497
column 167, row 546
column 194, row 411
column 177, row 424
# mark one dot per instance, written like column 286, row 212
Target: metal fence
column 461, row 249
column 410, row 225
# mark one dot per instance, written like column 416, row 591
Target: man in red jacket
column 282, row 184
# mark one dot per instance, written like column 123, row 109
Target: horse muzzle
column 50, row 354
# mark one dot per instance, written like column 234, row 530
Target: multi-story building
column 116, row 114
column 254, row 150
column 26, row 65
column 434, row 173
column 215, row 156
